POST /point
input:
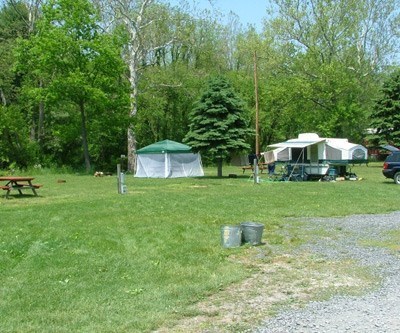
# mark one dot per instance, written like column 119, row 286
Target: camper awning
column 295, row 144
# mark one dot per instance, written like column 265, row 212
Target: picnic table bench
column 261, row 167
column 19, row 184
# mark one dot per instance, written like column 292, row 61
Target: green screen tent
column 168, row 159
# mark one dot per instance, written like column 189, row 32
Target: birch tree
column 33, row 10
column 135, row 18
column 143, row 20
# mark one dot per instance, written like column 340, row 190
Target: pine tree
column 217, row 123
column 386, row 114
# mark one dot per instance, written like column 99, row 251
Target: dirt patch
column 284, row 280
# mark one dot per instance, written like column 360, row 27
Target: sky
column 249, row 11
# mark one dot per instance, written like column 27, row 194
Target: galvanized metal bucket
column 231, row 236
column 252, row 232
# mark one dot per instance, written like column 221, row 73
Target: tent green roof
column 165, row 146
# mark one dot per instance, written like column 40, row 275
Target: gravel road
column 376, row 311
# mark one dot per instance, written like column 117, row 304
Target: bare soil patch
column 277, row 281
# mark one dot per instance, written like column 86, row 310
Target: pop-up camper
column 314, row 156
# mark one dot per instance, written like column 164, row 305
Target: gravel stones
column 378, row 310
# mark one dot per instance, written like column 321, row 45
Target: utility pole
column 256, row 100
column 256, row 178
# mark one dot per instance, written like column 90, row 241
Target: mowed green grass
column 82, row 258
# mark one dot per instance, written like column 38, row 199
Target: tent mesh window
column 358, row 154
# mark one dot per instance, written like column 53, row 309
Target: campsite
column 81, row 257
column 119, row 124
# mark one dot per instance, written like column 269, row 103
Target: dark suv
column 391, row 167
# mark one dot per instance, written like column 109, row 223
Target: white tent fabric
column 169, row 165
column 278, row 154
column 349, row 151
column 333, row 153
column 269, row 157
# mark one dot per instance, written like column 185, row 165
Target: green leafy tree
column 16, row 150
column 385, row 118
column 73, row 66
column 161, row 35
column 332, row 52
column 217, row 123
column 179, row 65
column 12, row 26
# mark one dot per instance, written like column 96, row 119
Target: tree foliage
column 218, row 127
column 385, row 118
column 75, row 75
column 71, row 66
column 333, row 52
column 16, row 149
column 12, row 26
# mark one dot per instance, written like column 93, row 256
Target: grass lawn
column 82, row 258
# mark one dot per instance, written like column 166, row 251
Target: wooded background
column 84, row 82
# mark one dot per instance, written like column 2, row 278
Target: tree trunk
column 41, row 122
column 131, row 150
column 3, row 97
column 131, row 154
column 84, row 137
column 136, row 52
column 135, row 22
column 219, row 167
column 40, row 129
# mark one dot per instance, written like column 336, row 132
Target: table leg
column 16, row 186
column 9, row 189
column 33, row 188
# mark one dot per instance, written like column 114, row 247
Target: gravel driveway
column 377, row 311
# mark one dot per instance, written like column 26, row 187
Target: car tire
column 396, row 178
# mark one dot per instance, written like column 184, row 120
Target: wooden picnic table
column 261, row 167
column 19, row 184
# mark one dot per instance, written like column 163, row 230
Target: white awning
column 295, row 144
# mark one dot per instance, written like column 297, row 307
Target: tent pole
column 165, row 165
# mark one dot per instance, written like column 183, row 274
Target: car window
column 393, row 158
